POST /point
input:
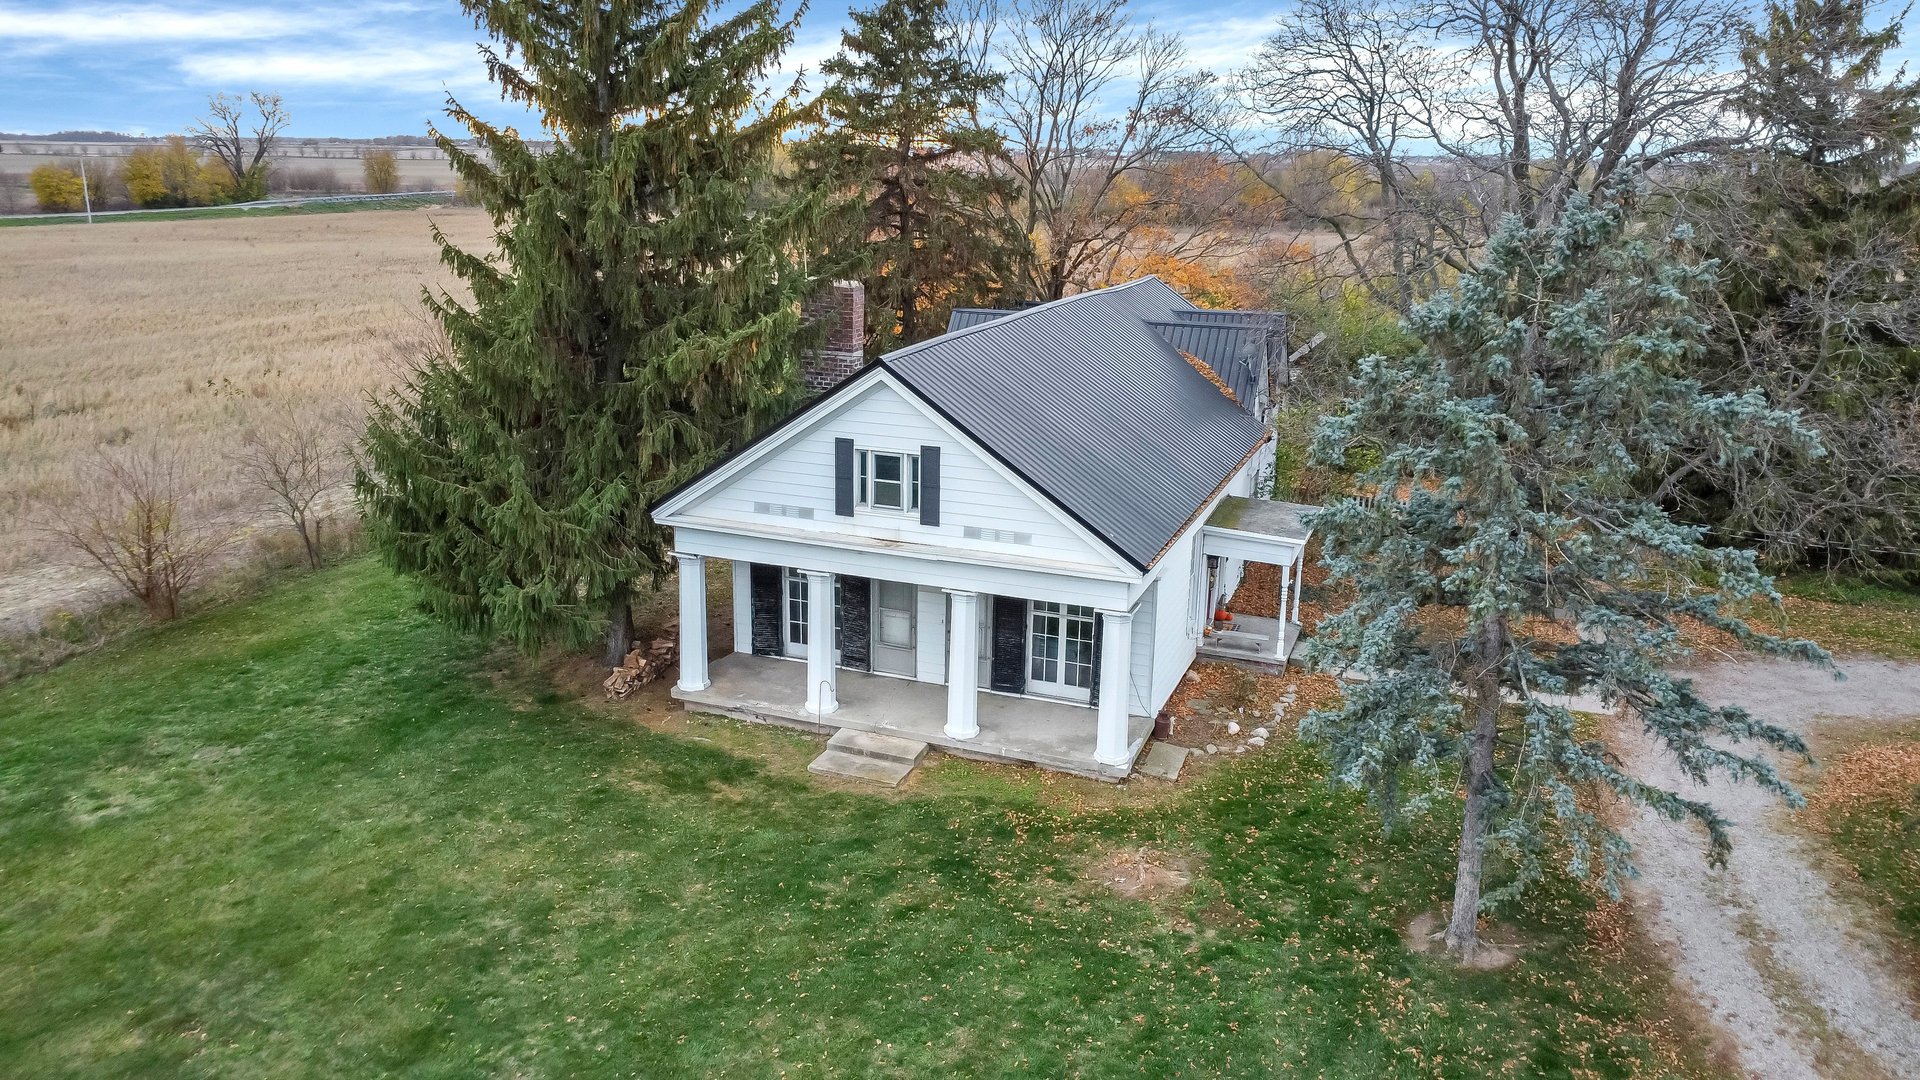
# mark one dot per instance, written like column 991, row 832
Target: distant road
column 258, row 204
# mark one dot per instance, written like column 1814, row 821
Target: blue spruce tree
column 1518, row 440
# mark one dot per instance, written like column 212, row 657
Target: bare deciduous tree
column 1091, row 106
column 297, row 460
column 224, row 133
column 136, row 519
column 1560, row 96
column 1461, row 111
column 1338, row 89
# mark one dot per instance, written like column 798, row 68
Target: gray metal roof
column 1233, row 352
column 1090, row 403
column 962, row 318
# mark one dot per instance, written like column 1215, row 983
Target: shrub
column 170, row 175
column 381, row 170
column 58, row 188
column 136, row 521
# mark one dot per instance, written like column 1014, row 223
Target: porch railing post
column 1280, row 629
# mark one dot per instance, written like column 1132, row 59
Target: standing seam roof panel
column 1094, row 407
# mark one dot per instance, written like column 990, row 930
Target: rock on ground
column 1795, row 975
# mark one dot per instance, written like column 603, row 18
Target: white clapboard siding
column 1146, row 616
column 793, row 488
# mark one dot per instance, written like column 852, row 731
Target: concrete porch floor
column 1250, row 642
column 1017, row 729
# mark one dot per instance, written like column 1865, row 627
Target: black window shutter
column 1007, row 670
column 856, row 623
column 1099, row 633
column 843, row 477
column 767, row 584
column 929, row 485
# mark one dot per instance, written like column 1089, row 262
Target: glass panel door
column 1060, row 650
column 796, row 613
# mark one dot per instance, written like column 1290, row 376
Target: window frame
column 866, row 479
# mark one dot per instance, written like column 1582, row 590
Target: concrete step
column 874, row 745
column 873, row 770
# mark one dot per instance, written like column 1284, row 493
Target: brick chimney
column 842, row 307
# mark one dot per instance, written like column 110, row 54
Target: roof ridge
column 1012, row 315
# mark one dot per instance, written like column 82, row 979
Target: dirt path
column 1796, row 977
column 29, row 595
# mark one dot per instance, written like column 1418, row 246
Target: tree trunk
column 309, row 539
column 619, row 626
column 1462, row 939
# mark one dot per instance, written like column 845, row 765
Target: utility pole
column 86, row 190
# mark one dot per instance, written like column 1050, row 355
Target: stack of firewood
column 645, row 663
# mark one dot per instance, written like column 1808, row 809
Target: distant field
column 173, row 332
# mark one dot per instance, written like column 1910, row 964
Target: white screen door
column 893, row 609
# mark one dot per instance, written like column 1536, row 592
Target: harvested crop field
column 173, row 333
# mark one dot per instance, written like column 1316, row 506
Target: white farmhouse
column 1007, row 541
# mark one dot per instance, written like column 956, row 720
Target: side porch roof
column 1261, row 530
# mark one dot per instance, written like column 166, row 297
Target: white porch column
column 1280, row 634
column 1116, row 686
column 963, row 672
column 693, row 621
column 1299, row 581
column 822, row 677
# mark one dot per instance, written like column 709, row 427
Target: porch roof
column 1263, row 517
column 1262, row 530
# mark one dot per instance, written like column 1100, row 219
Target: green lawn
column 1852, row 616
column 1867, row 803
column 318, row 835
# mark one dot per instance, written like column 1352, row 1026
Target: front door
column 893, row 609
column 1060, row 650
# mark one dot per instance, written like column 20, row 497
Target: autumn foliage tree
column 170, row 175
column 380, row 171
column 57, row 188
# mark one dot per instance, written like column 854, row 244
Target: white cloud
column 426, row 66
column 146, row 23
column 1221, row 45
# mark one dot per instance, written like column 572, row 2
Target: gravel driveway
column 1794, row 975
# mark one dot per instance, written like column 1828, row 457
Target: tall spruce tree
column 1517, row 436
column 1819, row 230
column 638, row 318
column 897, row 133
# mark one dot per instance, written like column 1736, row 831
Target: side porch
column 1261, row 531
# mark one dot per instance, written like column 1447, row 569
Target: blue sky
column 351, row 69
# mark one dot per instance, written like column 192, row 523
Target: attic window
column 888, row 480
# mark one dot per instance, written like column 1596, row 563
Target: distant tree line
column 225, row 157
